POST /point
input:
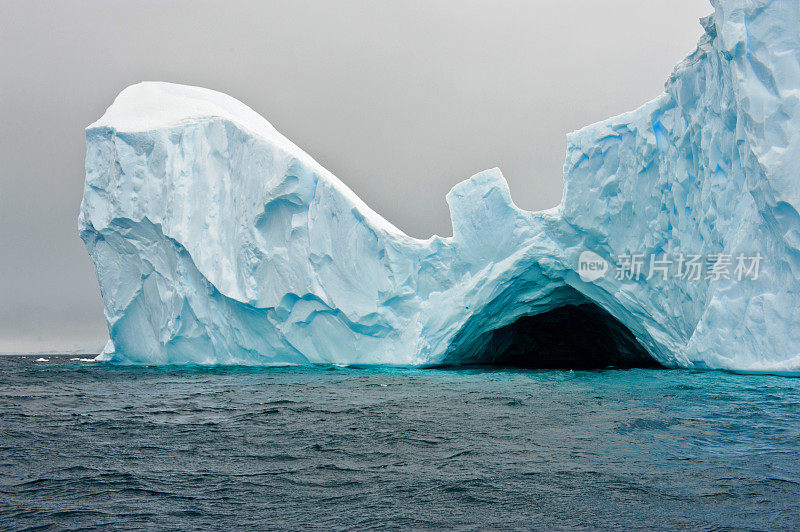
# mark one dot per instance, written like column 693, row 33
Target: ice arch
column 578, row 335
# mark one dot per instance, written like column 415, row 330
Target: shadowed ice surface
column 329, row 447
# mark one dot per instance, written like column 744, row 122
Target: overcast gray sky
column 401, row 100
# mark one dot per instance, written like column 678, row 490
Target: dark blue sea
column 86, row 445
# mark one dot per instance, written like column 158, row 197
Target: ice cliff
column 217, row 240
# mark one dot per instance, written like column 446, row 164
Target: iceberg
column 216, row 240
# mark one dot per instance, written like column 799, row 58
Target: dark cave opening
column 570, row 337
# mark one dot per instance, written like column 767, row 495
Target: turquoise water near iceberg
column 91, row 445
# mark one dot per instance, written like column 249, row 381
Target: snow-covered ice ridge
column 218, row 241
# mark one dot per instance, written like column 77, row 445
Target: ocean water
column 91, row 445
